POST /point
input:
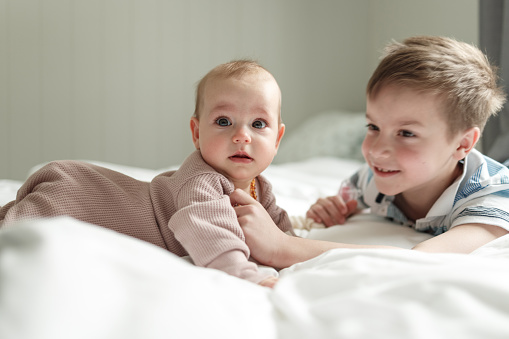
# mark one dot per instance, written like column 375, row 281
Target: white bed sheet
column 61, row 278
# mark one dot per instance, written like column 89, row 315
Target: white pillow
column 331, row 133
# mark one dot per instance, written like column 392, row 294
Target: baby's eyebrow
column 223, row 107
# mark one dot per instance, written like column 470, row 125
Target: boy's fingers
column 352, row 206
column 333, row 211
column 339, row 203
column 239, row 197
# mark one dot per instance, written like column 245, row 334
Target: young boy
column 236, row 129
column 427, row 103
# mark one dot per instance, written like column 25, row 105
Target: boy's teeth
column 384, row 170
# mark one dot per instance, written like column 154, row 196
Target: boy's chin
column 387, row 191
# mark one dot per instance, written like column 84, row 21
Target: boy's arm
column 462, row 239
column 268, row 244
column 272, row 247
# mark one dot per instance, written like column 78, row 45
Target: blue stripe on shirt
column 494, row 169
column 471, row 186
column 489, row 212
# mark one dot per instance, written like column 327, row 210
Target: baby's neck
column 247, row 187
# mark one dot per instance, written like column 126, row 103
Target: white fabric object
column 62, row 278
column 397, row 294
column 332, row 133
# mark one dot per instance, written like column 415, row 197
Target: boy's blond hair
column 232, row 69
column 458, row 72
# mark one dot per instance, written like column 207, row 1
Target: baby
column 236, row 129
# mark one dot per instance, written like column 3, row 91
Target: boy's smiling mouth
column 384, row 171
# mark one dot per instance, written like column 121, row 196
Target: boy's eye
column 223, row 122
column 259, row 124
column 407, row 134
column 372, row 127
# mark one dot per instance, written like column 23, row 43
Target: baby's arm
column 269, row 282
column 206, row 225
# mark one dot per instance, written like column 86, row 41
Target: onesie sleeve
column 206, row 226
column 278, row 215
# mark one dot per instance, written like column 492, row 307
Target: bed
column 62, row 278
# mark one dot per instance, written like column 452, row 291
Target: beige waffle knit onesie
column 187, row 211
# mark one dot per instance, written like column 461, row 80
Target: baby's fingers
column 269, row 282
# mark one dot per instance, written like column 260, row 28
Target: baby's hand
column 331, row 211
column 269, row 282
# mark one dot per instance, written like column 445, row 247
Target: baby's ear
column 195, row 131
column 280, row 134
column 468, row 142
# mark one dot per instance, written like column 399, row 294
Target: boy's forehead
column 405, row 100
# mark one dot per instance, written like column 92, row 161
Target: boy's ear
column 280, row 134
column 468, row 142
column 195, row 132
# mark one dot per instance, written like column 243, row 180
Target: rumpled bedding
column 61, row 278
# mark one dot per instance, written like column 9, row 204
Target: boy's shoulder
column 482, row 176
column 484, row 170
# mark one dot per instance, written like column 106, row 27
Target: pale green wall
column 398, row 19
column 113, row 80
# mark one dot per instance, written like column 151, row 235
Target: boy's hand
column 331, row 210
column 269, row 282
column 263, row 237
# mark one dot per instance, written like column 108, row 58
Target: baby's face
column 408, row 143
column 238, row 131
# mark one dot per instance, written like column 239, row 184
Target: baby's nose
column 241, row 136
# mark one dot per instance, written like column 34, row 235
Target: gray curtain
column 494, row 41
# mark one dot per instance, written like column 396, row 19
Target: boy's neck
column 416, row 205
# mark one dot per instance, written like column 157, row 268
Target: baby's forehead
column 252, row 76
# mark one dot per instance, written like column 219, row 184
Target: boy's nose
column 241, row 136
column 379, row 148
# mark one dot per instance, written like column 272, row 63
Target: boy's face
column 408, row 144
column 238, row 130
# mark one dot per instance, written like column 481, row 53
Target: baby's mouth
column 242, row 156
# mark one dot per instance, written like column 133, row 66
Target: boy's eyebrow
column 410, row 122
column 403, row 122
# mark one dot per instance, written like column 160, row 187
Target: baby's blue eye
column 259, row 124
column 223, row 122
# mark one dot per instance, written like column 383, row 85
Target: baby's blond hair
column 458, row 72
column 232, row 69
